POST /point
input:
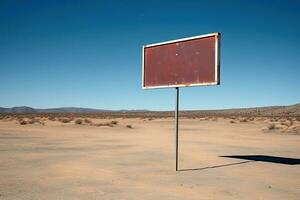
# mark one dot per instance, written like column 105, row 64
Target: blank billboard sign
column 193, row 61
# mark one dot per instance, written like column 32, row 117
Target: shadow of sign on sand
column 264, row 158
column 215, row 166
column 252, row 158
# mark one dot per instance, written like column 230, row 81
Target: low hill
column 21, row 109
column 25, row 110
column 292, row 110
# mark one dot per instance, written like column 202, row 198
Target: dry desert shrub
column 251, row 119
column 129, row 126
column 65, row 120
column 51, row 118
column 114, row 122
column 287, row 123
column 259, row 119
column 23, row 122
column 103, row 124
column 78, row 121
column 38, row 121
column 6, row 118
column 232, row 121
column 109, row 124
column 283, row 122
column 295, row 129
column 31, row 121
column 34, row 120
column 271, row 126
column 244, row 120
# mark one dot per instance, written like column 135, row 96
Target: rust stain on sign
column 182, row 63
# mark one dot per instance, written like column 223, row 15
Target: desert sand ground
column 71, row 161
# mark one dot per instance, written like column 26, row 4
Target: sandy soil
column 68, row 161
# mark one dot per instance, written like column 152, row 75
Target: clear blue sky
column 88, row 53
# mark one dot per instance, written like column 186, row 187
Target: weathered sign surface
column 185, row 62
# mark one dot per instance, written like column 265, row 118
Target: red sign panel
column 185, row 62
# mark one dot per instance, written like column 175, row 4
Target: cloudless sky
column 88, row 53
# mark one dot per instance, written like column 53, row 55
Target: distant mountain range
column 292, row 110
column 25, row 109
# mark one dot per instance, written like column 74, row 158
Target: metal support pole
column 176, row 126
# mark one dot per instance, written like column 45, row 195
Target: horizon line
column 115, row 110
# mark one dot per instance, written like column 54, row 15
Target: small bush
column 114, row 122
column 23, row 122
column 232, row 121
column 129, row 126
column 65, row 120
column 271, row 126
column 78, row 121
column 104, row 124
column 243, row 120
column 251, row 119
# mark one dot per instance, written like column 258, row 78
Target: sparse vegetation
column 51, row 118
column 271, row 126
column 114, row 122
column 23, row 122
column 251, row 119
column 287, row 122
column 78, row 121
column 65, row 120
column 103, row 124
column 129, row 126
column 243, row 120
